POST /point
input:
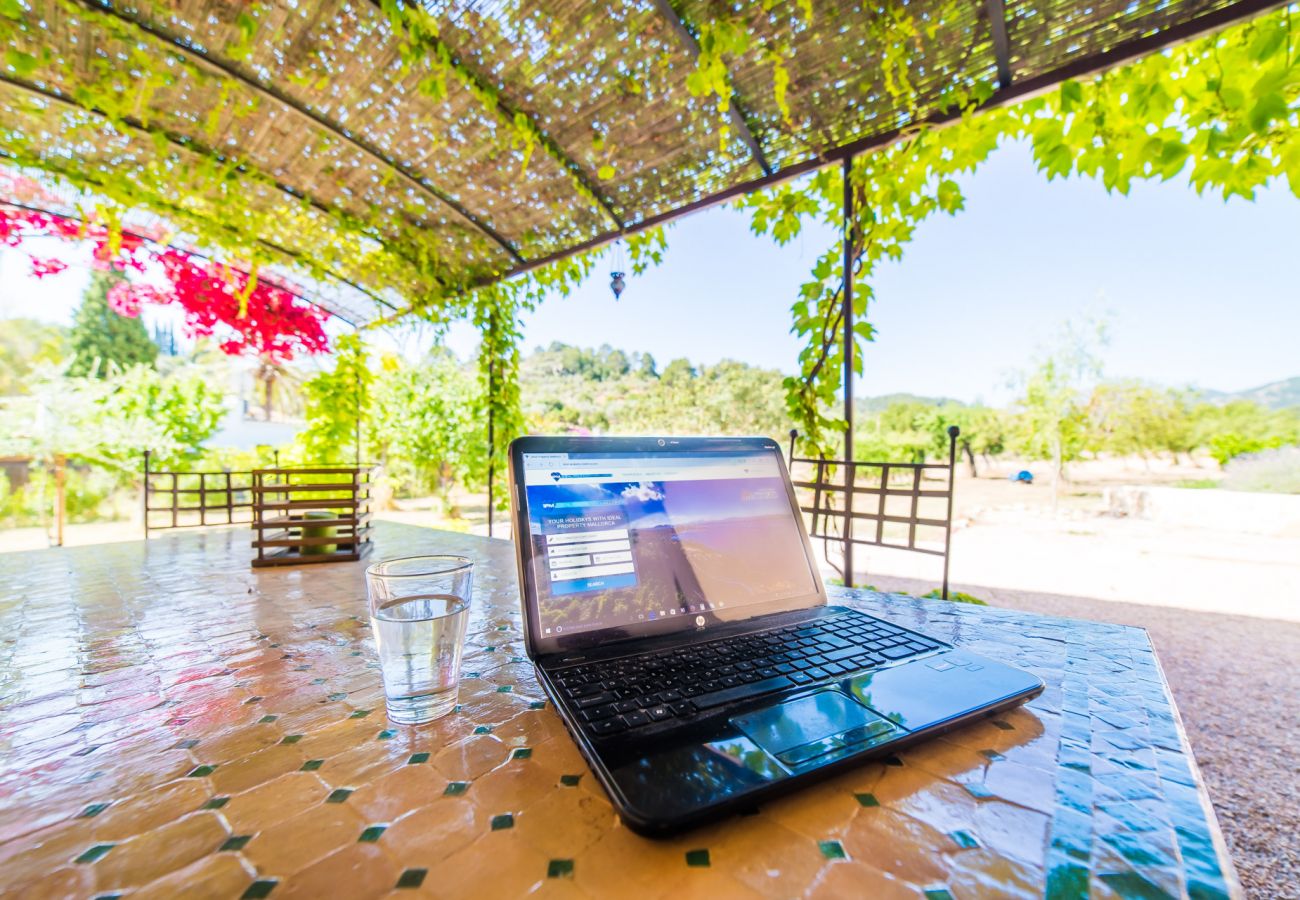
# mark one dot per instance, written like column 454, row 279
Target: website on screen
column 635, row 537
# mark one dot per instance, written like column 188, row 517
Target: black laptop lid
column 632, row 537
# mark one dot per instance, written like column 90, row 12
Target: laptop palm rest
column 813, row 730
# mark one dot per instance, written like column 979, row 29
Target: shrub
column 1275, row 471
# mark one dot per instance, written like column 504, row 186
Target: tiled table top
column 173, row 722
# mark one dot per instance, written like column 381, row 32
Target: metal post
column 146, row 494
column 60, row 497
column 849, row 470
column 953, row 431
column 491, row 447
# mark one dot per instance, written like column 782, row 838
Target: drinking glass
column 419, row 607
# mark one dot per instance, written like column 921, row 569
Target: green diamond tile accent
column 517, row 659
column 978, row 791
column 537, row 704
column 697, row 858
column 503, row 628
column 201, row 771
column 253, row 700
column 1005, row 726
column 96, row 852
column 215, row 803
column 832, row 849
column 456, row 788
column 92, row 810
column 938, row 893
column 372, row 834
column 465, row 675
column 993, row 755
column 412, row 878
column 570, row 780
column 417, row 758
column 318, row 681
column 360, row 714
column 522, row 753
column 312, row 765
column 236, row 842
column 489, row 649
column 1131, row 884
column 483, row 729
column 456, row 708
column 504, row 689
column 337, row 696
column 867, row 800
column 291, row 739
column 259, row 889
column 267, row 720
column 964, row 839
column 386, row 734
column 560, row 868
column 108, row 897
column 185, row 745
column 338, row 795
column 503, row 821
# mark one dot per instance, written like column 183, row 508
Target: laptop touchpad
column 816, row 729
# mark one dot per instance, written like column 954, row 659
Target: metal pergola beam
column 997, row 14
column 408, row 175
column 735, row 108
column 1022, row 90
column 189, row 145
column 13, row 204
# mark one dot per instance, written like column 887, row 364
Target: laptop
column 676, row 618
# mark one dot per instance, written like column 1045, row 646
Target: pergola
column 390, row 156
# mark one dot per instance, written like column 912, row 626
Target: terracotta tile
column 259, row 768
column 850, row 878
column 362, row 870
column 513, row 788
column 471, row 758
column 397, row 793
column 161, row 851
column 623, row 863
column 564, row 823
column 146, row 811
column 898, row 845
column 435, row 831
column 274, row 802
column 219, row 876
column 483, row 870
column 292, row 845
column 768, row 857
column 69, row 881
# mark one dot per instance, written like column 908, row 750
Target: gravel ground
column 1237, row 685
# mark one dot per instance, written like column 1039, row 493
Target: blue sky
column 1199, row 291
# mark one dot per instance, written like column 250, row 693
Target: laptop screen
column 640, row 542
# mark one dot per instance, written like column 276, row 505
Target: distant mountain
column 1275, row 395
column 878, row 404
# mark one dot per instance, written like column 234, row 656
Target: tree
column 1053, row 419
column 101, row 339
column 425, row 425
column 1130, row 418
column 26, row 344
column 647, row 367
column 679, row 369
column 336, row 402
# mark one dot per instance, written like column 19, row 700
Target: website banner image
column 640, row 537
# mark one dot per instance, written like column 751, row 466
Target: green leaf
column 11, row 9
column 605, row 172
column 22, row 63
column 950, row 197
column 1269, row 107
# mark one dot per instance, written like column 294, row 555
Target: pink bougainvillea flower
column 255, row 316
column 49, row 266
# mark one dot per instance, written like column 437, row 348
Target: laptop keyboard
column 631, row 692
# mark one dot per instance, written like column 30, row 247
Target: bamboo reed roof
column 399, row 156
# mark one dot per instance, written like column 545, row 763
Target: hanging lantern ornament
column 617, row 282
